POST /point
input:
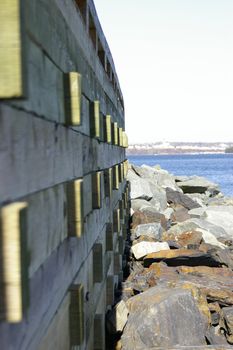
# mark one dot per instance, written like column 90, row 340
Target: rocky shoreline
column 179, row 290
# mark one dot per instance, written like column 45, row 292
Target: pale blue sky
column 174, row 60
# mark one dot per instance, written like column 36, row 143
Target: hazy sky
column 174, row 60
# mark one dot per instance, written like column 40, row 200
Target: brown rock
column 179, row 257
column 147, row 217
column 180, row 214
column 162, row 272
column 188, row 238
column 185, row 239
column 215, row 283
column 216, row 313
column 228, row 320
column 205, row 270
column 162, row 317
column 201, row 300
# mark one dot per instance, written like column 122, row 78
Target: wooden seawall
column 63, row 192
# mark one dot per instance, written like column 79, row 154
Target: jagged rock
column 211, row 239
column 143, row 248
column 215, row 283
column 199, row 198
column 163, row 318
column 173, row 245
column 183, row 256
column 215, row 337
column 189, row 238
column 195, row 224
column 143, row 238
column 180, row 178
column 215, row 313
column 140, row 188
column 160, row 177
column 184, row 239
column 222, row 272
column 228, row 320
column 159, row 198
column 162, row 272
column 221, row 216
column 220, row 201
column 138, row 204
column 180, row 214
column 168, row 213
column 148, row 217
column 223, row 256
column 153, row 230
column 180, row 198
column 117, row 317
column 197, row 212
column 197, row 184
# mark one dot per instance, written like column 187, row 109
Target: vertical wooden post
column 75, row 207
column 12, row 67
column 115, row 177
column 107, row 131
column 73, row 95
column 14, row 262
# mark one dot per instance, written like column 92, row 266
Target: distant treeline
column 229, row 150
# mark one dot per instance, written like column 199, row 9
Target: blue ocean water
column 215, row 167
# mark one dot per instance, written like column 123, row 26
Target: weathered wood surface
column 45, row 147
column 37, row 154
column 12, row 77
column 48, row 285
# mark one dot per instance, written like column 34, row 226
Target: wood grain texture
column 120, row 136
column 11, row 60
column 14, row 278
column 75, row 208
column 116, row 177
column 115, row 134
column 72, row 93
column 108, row 129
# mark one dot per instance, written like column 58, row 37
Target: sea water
column 217, row 168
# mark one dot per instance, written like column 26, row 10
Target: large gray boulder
column 140, row 188
column 198, row 184
column 176, row 197
column 159, row 177
column 153, row 230
column 221, row 216
column 139, row 204
column 194, row 224
column 162, row 317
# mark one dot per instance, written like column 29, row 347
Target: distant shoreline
column 174, row 148
column 173, row 153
